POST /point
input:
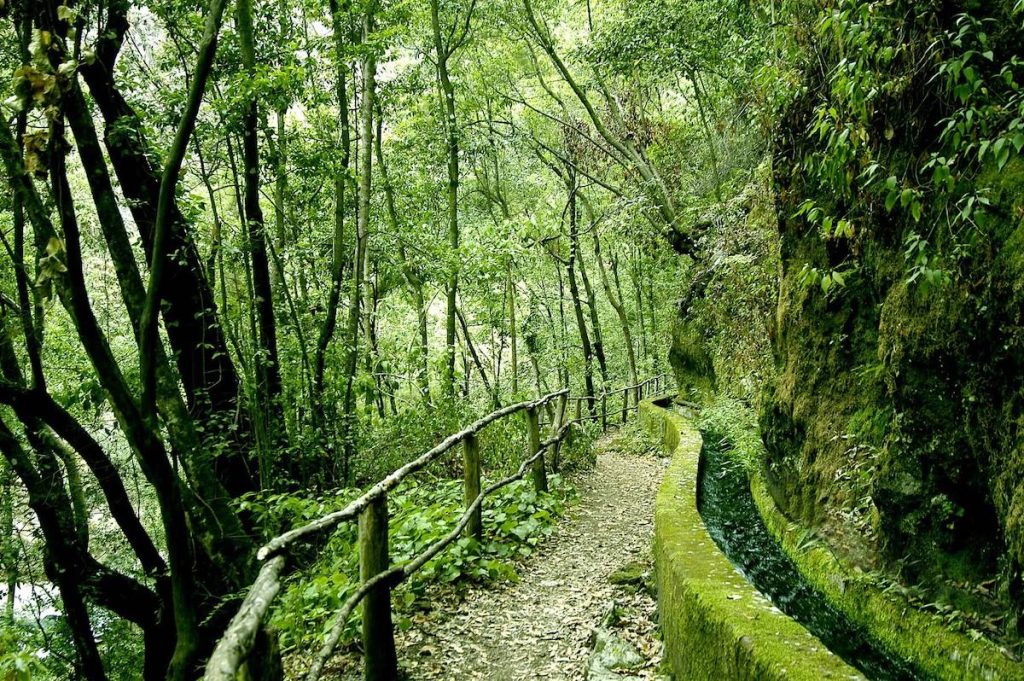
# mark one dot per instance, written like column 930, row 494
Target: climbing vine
column 871, row 156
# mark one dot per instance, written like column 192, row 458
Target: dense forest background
column 256, row 255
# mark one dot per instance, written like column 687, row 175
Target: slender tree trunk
column 654, row 325
column 47, row 499
column 376, row 395
column 638, row 297
column 514, row 330
column 268, row 369
column 412, row 278
column 620, row 309
column 216, row 229
column 588, row 352
column 442, row 53
column 624, row 149
column 563, row 327
column 700, row 96
column 476, row 360
column 595, row 322
column 338, row 242
column 281, row 183
column 369, row 68
column 8, row 548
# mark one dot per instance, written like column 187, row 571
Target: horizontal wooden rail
column 393, row 479
column 377, row 577
column 639, row 391
column 240, row 635
column 236, row 644
column 399, row 573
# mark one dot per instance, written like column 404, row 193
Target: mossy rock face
column 718, row 334
column 928, row 378
column 691, row 362
column 714, row 623
column 915, row 635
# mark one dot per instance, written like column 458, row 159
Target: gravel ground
column 541, row 626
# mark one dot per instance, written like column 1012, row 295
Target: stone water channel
column 733, row 521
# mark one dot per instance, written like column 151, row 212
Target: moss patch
column 910, row 633
column 715, row 624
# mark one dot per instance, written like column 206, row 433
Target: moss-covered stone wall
column 916, row 636
column 714, row 623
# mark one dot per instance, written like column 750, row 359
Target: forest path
column 541, row 626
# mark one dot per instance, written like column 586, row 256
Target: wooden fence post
column 471, row 484
column 625, row 403
column 380, row 660
column 579, row 408
column 604, row 412
column 540, row 476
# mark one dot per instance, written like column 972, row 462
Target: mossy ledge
column 916, row 635
column 715, row 624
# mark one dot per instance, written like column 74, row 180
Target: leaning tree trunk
column 595, row 322
column 620, row 309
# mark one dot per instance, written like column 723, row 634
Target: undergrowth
column 736, row 422
column 515, row 520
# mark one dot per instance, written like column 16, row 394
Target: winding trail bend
column 540, row 626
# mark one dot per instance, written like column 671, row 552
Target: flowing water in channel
column 727, row 506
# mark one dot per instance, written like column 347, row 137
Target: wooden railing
column 377, row 576
column 631, row 398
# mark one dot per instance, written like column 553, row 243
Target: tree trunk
column 514, row 331
column 412, row 278
column 268, row 369
column 338, row 242
column 595, row 322
column 442, row 53
column 638, row 295
column 476, row 360
column 620, row 309
column 588, row 352
column 362, row 233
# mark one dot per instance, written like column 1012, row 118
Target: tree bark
column 620, row 309
column 581, row 324
column 207, row 373
column 476, row 360
column 443, row 52
column 595, row 321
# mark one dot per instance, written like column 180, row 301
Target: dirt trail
column 540, row 627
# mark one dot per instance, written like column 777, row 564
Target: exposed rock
column 630, row 573
column 611, row 655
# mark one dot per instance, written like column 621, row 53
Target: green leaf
column 890, row 200
column 906, row 196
